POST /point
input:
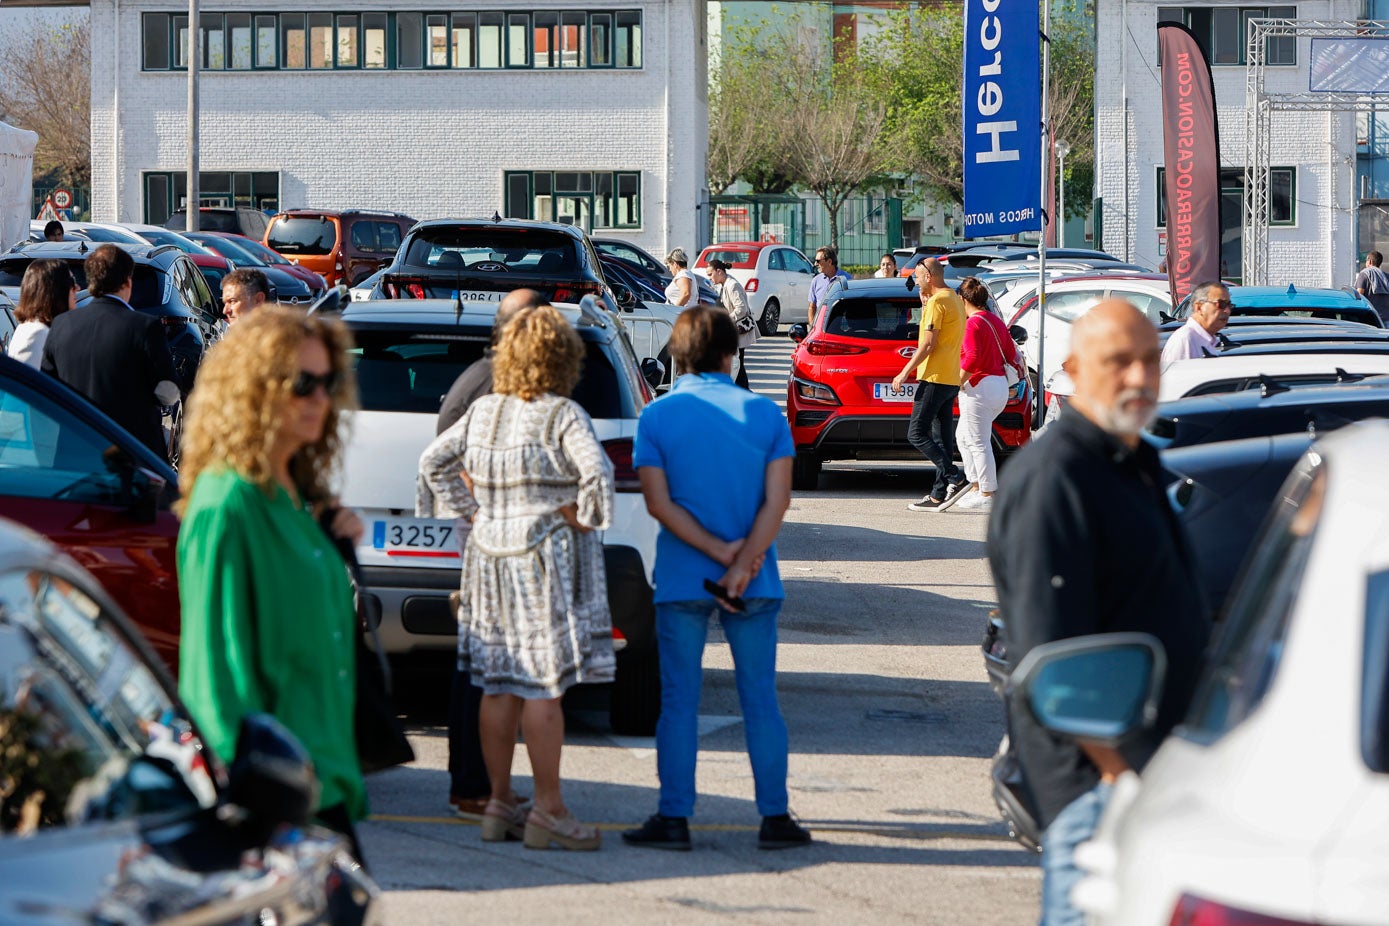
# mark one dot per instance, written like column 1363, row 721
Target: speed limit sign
column 62, row 198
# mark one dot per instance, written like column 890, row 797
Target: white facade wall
column 429, row 144
column 1319, row 250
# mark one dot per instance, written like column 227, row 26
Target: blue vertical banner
column 1002, row 103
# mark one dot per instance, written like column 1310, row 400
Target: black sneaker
column 929, row 503
column 658, row 832
column 781, row 832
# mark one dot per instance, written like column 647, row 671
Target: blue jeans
column 1075, row 824
column 681, row 630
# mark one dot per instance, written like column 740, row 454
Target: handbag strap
column 354, row 569
column 994, row 331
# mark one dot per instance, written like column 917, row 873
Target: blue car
column 1344, row 304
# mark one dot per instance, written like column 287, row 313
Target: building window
column 542, row 40
column 1282, row 194
column 167, row 191
column 588, row 199
column 1223, row 32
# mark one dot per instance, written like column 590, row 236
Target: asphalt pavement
column 892, row 725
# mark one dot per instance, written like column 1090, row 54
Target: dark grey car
column 112, row 810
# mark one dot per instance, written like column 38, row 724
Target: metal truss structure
column 1258, row 117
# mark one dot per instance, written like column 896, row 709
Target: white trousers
column 980, row 404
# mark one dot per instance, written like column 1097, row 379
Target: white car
column 1070, row 297
column 89, row 231
column 775, row 276
column 1233, row 373
column 407, row 354
column 1267, row 805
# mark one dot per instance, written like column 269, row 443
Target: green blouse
column 268, row 625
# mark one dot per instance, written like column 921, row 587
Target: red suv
column 839, row 398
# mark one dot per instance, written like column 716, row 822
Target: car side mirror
column 1165, row 317
column 799, row 332
column 272, row 777
column 333, row 300
column 626, row 299
column 653, row 371
column 1018, row 333
column 1099, row 689
column 140, row 490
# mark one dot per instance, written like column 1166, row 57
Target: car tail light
column 174, row 322
column 1195, row 911
column 573, row 292
column 810, row 391
column 829, row 348
column 751, row 287
column 624, row 473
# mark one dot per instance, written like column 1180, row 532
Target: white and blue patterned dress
column 534, row 618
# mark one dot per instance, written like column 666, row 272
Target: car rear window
column 12, row 271
column 875, row 319
column 493, row 250
column 302, row 235
column 741, row 258
column 1365, row 316
column 410, row 371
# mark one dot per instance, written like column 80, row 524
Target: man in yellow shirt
column 936, row 365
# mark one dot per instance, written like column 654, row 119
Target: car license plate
column 421, row 537
column 477, row 295
column 884, row 392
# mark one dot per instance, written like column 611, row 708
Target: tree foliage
column 45, row 77
column 835, row 120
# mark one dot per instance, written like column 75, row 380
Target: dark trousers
column 742, row 379
column 467, row 773
column 932, row 431
column 339, row 821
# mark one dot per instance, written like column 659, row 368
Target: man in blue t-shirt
column 827, row 263
column 715, row 468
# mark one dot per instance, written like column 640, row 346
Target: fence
column 869, row 226
column 80, row 205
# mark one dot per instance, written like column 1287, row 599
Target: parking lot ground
column 892, row 725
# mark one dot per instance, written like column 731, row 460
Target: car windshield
column 208, row 220
column 316, row 234
column 186, row 245
column 487, row 249
column 252, row 246
column 406, row 370
column 228, row 249
column 875, row 319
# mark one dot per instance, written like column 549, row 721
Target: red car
column 839, row 398
column 75, row 476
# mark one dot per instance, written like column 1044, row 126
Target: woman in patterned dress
column 526, row 468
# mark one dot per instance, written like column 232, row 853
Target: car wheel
column 771, row 318
column 805, row 472
column 636, row 693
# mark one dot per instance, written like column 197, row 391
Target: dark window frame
column 1232, row 181
column 1202, row 20
column 592, row 190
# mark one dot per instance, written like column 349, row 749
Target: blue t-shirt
column 820, row 286
column 714, row 441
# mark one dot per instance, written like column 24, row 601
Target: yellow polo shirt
column 943, row 313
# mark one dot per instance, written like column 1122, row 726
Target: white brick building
column 596, row 115
column 1312, row 235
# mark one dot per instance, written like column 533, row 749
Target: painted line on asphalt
column 864, row 829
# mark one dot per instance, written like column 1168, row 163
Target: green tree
column 45, row 86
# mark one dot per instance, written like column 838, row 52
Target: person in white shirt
column 46, row 291
column 1210, row 312
column 887, row 267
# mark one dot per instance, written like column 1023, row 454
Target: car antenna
column 81, row 247
column 1343, row 377
column 496, row 216
column 1269, row 387
column 1292, row 290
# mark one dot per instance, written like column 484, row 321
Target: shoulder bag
column 1010, row 367
column 381, row 741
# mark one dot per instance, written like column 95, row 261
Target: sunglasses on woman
column 306, row 383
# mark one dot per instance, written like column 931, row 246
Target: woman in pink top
column 987, row 347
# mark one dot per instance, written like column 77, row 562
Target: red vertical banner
column 1191, row 153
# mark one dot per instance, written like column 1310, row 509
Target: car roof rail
column 1269, row 387
column 591, row 311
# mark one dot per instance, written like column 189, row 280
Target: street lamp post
column 1062, row 149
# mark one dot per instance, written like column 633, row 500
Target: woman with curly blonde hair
column 526, row 468
column 268, row 614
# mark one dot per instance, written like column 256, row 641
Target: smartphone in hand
column 721, row 593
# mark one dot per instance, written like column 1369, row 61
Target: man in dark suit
column 115, row 356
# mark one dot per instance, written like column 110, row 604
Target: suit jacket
column 114, row 356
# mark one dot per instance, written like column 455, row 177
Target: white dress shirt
column 1190, row 340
